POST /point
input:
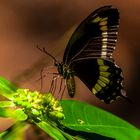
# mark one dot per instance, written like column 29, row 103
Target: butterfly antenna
column 45, row 51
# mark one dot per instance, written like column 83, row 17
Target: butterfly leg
column 43, row 76
column 61, row 82
column 53, row 85
column 41, row 79
column 63, row 90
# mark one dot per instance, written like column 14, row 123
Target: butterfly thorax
column 64, row 70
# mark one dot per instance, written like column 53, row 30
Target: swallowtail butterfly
column 88, row 55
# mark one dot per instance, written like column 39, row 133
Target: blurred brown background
column 24, row 24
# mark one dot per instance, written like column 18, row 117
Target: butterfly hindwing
column 102, row 77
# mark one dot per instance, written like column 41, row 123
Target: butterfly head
column 59, row 67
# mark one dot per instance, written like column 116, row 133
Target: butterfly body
column 68, row 75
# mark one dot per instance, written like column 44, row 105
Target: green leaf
column 20, row 115
column 15, row 132
column 7, row 112
column 6, row 88
column 83, row 117
column 2, row 134
column 6, row 104
column 17, row 114
column 51, row 131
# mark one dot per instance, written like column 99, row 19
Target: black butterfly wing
column 89, row 54
column 102, row 77
column 95, row 37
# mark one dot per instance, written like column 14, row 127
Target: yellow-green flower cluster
column 38, row 106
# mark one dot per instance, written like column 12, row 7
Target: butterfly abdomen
column 71, row 85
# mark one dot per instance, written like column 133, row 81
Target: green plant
column 62, row 120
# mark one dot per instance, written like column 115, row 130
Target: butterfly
column 88, row 55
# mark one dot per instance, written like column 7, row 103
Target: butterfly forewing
column 95, row 37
